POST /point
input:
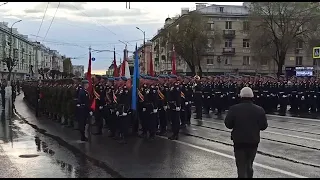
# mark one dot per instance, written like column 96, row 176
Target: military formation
column 164, row 102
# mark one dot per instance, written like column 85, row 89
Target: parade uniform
column 83, row 110
column 175, row 107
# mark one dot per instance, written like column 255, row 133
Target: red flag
column 115, row 67
column 89, row 76
column 173, row 61
column 151, row 66
column 93, row 105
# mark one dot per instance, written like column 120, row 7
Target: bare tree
column 189, row 35
column 276, row 26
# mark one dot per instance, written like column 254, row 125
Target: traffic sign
column 316, row 53
column 93, row 59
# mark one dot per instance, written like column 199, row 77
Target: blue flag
column 135, row 80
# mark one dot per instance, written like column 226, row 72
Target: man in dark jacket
column 246, row 121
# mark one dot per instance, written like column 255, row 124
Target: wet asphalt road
column 290, row 147
column 27, row 153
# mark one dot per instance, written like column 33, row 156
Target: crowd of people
column 162, row 101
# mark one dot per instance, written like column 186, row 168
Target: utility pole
column 11, row 53
column 144, row 47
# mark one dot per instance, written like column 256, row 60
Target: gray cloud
column 105, row 13
column 70, row 6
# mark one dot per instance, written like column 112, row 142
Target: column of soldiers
column 163, row 101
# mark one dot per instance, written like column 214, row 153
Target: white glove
column 117, row 113
column 186, row 103
column 100, row 107
column 38, row 100
column 202, row 96
column 124, row 114
column 91, row 113
column 144, row 109
column 208, row 97
column 177, row 108
column 165, row 107
column 155, row 110
column 111, row 110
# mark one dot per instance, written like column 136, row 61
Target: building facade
column 78, row 70
column 232, row 52
column 28, row 55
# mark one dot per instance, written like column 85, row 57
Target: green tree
column 11, row 62
column 67, row 65
column 189, row 35
column 277, row 26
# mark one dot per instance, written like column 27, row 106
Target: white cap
column 246, row 92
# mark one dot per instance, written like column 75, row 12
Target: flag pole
column 90, row 117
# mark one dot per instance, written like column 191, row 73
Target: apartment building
column 30, row 56
column 232, row 52
column 145, row 56
column 78, row 70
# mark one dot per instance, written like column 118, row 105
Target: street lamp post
column 144, row 46
column 11, row 53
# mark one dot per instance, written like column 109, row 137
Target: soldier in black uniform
column 175, row 107
column 99, row 95
column 124, row 112
column 188, row 102
column 163, row 107
column 83, row 108
column 283, row 96
column 154, row 99
column 198, row 97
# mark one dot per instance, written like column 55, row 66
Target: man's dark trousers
column 245, row 155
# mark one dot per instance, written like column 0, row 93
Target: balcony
column 229, row 34
column 228, row 51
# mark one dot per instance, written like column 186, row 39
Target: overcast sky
column 78, row 25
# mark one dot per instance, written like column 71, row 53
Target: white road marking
column 232, row 157
column 290, row 117
column 271, row 132
column 298, row 137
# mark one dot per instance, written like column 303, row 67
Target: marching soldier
column 175, row 107
column 124, row 107
column 83, row 109
column 198, row 97
column 162, row 106
column 99, row 95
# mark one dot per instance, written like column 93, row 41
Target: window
column 299, row 44
column 228, row 25
column 228, row 43
column 299, row 61
column 246, row 26
column 221, row 9
column 315, row 62
column 210, row 61
column 210, row 43
column 246, row 43
column 227, row 60
column 210, row 26
column 246, row 60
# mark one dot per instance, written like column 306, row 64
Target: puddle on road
column 38, row 156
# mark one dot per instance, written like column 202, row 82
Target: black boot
column 83, row 137
column 173, row 137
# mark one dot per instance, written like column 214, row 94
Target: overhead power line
column 93, row 19
column 44, row 14
column 51, row 22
